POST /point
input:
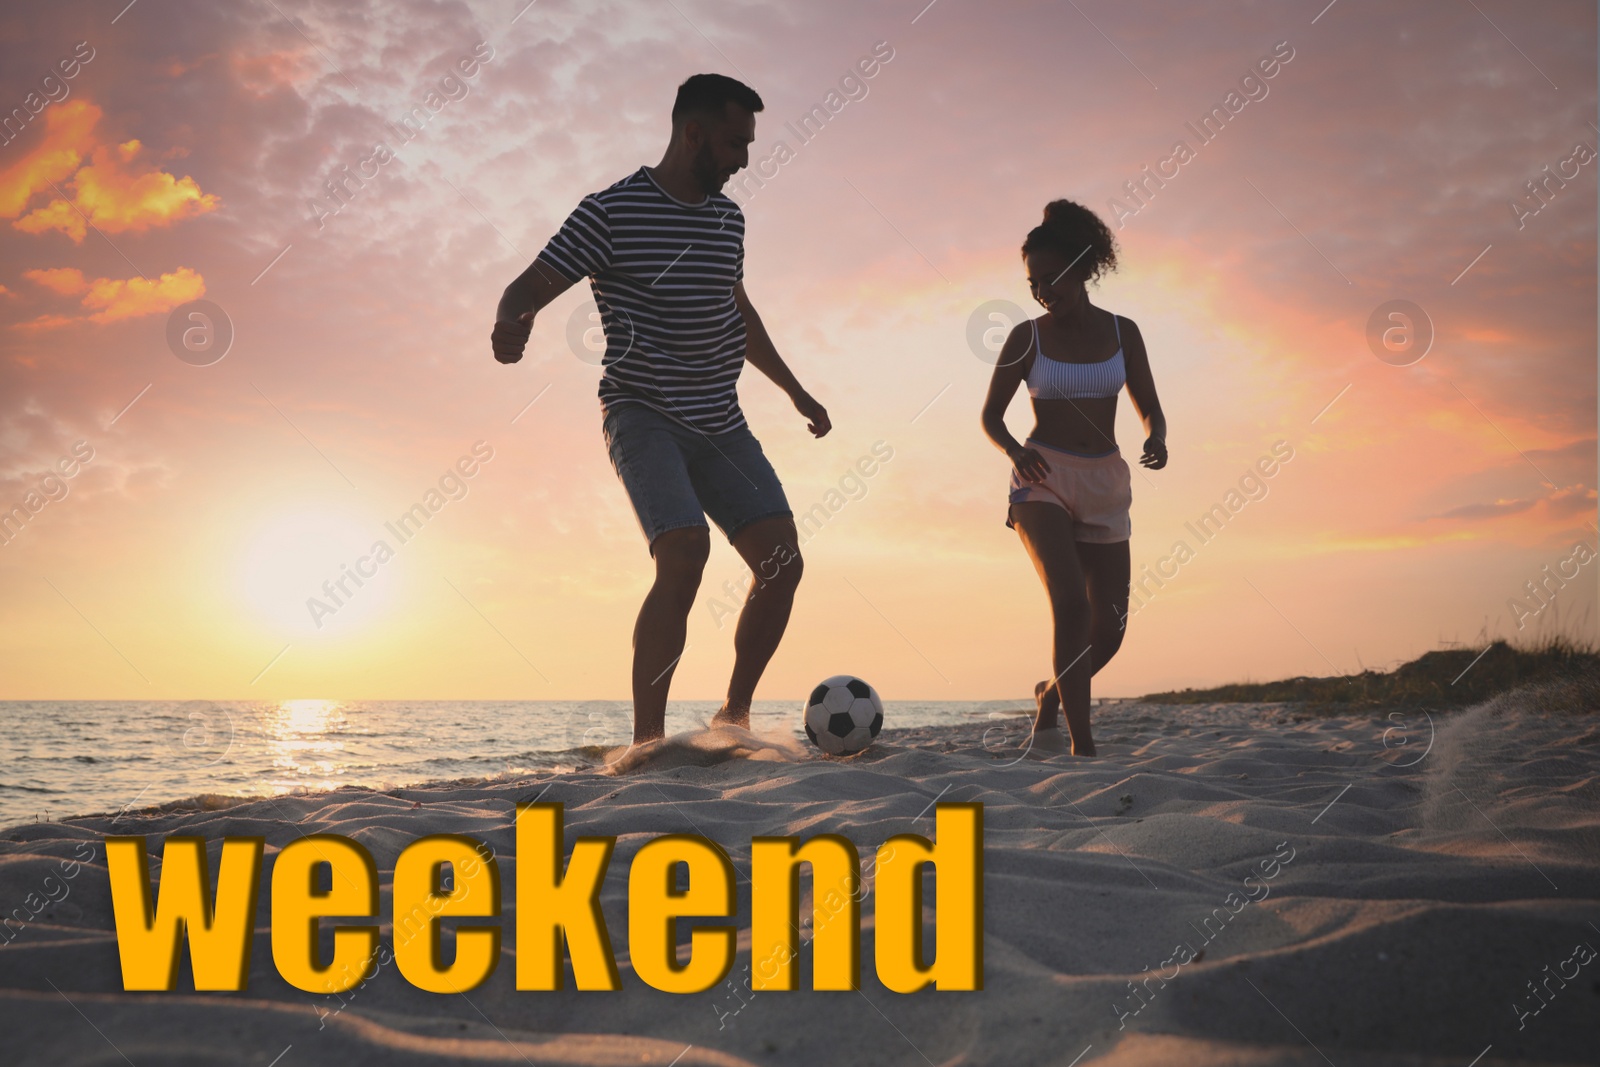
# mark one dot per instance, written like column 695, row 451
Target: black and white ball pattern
column 843, row 715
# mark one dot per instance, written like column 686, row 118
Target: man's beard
column 705, row 171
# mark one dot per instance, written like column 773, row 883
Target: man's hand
column 816, row 415
column 510, row 338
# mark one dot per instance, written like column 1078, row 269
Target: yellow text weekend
column 554, row 907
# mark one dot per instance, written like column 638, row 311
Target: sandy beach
column 1359, row 890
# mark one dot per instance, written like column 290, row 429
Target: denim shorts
column 676, row 476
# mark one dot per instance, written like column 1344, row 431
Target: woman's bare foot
column 1049, row 701
column 1047, row 742
column 732, row 714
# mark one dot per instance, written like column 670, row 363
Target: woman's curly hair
column 1077, row 233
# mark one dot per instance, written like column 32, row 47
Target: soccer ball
column 843, row 715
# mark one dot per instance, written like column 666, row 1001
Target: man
column 664, row 251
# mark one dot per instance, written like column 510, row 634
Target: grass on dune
column 1444, row 678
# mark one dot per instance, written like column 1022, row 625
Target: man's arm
column 522, row 300
column 763, row 355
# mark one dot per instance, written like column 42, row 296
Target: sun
column 318, row 570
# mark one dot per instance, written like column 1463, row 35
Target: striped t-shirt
column 663, row 274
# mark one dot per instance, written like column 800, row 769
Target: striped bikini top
column 1054, row 379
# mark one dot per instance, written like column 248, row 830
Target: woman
column 1070, row 486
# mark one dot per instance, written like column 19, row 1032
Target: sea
column 64, row 758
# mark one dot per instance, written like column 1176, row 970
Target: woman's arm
column 1016, row 356
column 1142, row 391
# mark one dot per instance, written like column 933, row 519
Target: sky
column 189, row 475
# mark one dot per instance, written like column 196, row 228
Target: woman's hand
column 1155, row 453
column 1029, row 463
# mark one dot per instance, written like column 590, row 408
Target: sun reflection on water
column 304, row 745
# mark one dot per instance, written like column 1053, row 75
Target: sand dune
column 1355, row 891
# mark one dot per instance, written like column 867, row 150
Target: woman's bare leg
column 1046, row 531
column 1106, row 570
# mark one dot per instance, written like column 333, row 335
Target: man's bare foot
column 731, row 714
column 1047, row 742
column 625, row 758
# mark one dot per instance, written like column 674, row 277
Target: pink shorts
column 1095, row 490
